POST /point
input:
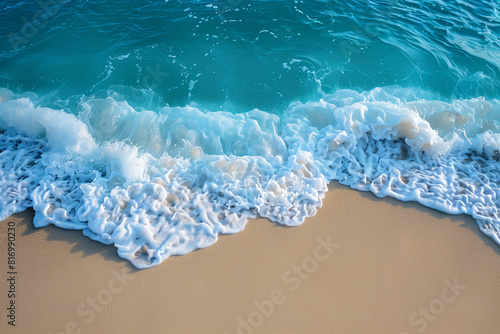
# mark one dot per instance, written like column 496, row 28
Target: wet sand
column 361, row 265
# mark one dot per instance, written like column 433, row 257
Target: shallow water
column 155, row 126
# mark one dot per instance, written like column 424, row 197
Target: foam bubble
column 165, row 182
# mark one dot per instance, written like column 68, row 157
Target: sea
column 156, row 126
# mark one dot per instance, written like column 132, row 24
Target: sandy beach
column 361, row 265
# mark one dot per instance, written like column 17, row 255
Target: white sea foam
column 165, row 182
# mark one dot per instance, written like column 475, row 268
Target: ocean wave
column 156, row 183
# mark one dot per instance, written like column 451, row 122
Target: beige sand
column 391, row 267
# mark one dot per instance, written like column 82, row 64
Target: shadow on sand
column 80, row 243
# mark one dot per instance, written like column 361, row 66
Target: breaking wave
column 156, row 183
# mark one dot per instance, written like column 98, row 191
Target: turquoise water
column 239, row 55
column 155, row 126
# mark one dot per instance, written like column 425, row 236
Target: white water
column 165, row 182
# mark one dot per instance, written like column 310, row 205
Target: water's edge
column 165, row 182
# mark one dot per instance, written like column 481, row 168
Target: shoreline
column 361, row 265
